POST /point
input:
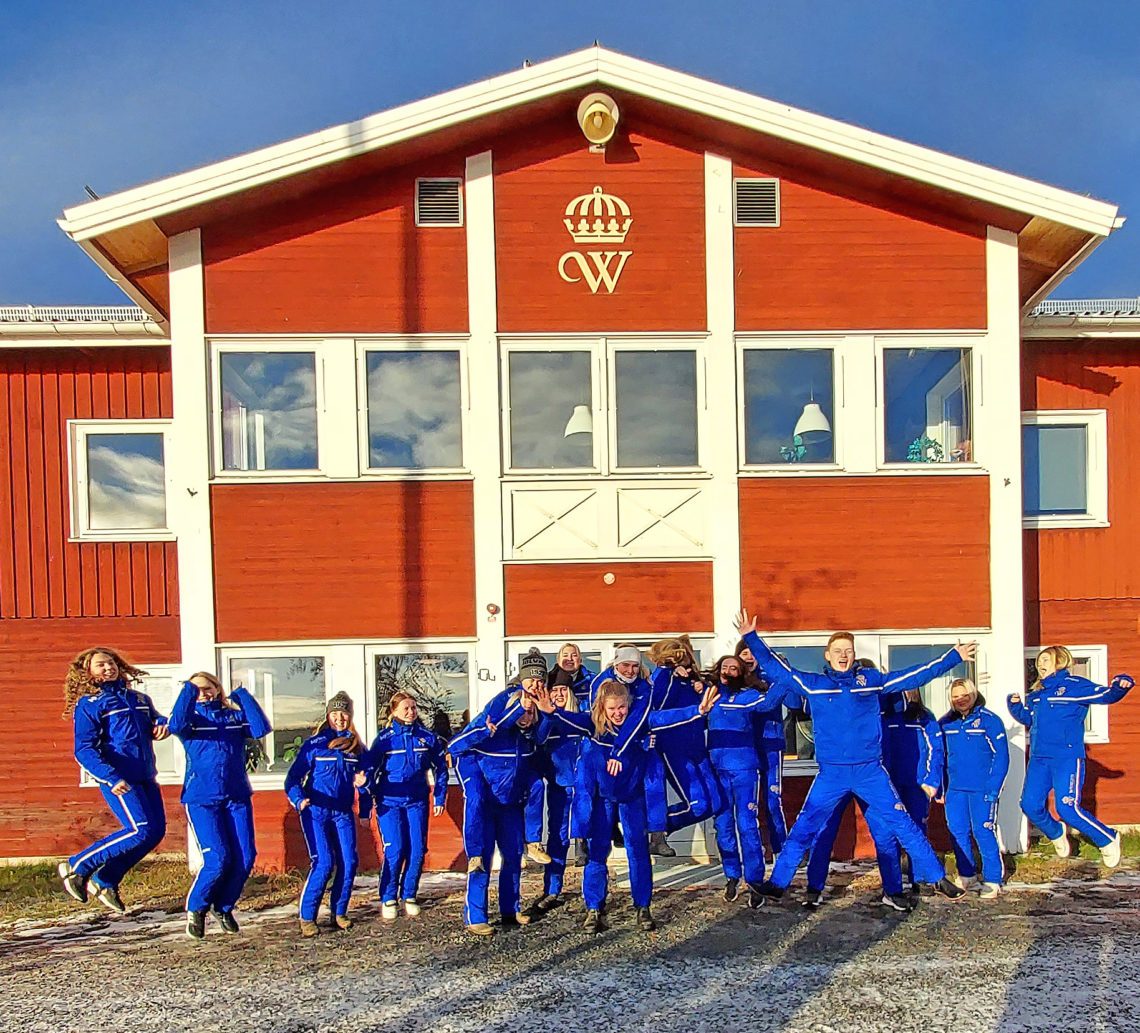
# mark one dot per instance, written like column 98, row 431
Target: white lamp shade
column 812, row 424
column 581, row 421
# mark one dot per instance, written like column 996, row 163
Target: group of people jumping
column 567, row 759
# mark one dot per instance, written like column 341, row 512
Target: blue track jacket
column 324, row 776
column 733, row 729
column 399, row 760
column 561, row 744
column 845, row 709
column 214, row 736
column 505, row 754
column 1055, row 713
column 977, row 751
column 914, row 752
column 114, row 731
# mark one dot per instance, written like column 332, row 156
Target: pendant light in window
column 812, row 426
column 581, row 421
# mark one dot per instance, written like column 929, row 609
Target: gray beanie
column 341, row 701
column 533, row 665
column 628, row 655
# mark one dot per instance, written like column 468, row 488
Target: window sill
column 110, row 537
column 792, row 470
column 1044, row 523
column 800, row 769
column 520, row 477
column 934, row 469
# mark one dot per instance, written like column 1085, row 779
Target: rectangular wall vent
column 756, row 202
column 439, row 202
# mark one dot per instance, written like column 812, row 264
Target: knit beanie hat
column 533, row 665
column 341, row 701
column 562, row 677
column 628, row 655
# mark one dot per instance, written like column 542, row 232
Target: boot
column 309, row 929
column 593, row 923
column 581, row 855
column 196, row 924
column 535, row 853
column 342, row 922
column 474, row 864
column 480, row 929
column 645, row 920
column 659, row 846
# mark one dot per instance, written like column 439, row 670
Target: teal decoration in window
column 925, row 450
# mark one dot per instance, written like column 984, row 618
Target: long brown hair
column 347, row 742
column 78, row 681
column 609, row 689
column 675, row 652
column 1062, row 661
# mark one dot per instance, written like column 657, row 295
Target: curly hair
column 674, row 652
column 79, row 682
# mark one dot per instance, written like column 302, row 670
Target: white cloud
column 125, row 490
column 414, row 411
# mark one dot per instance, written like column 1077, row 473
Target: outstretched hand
column 542, row 700
column 743, row 623
column 613, row 767
column 967, row 650
column 708, row 700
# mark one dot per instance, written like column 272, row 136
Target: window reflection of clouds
column 414, row 410
column 298, row 684
column 656, row 402
column 778, row 383
column 439, row 682
column 126, row 481
column 281, row 387
column 544, row 388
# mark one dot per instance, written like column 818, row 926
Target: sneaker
column 767, row 889
column 757, row 895
column 989, row 890
column 474, row 864
column 226, row 920
column 964, row 882
column 1110, row 855
column 73, row 885
column 659, row 846
column 897, row 902
column 309, row 929
column 645, row 920
column 388, row 911
column 731, row 889
column 813, row 899
column 411, row 908
column 480, row 929
column 342, row 922
column 535, row 853
column 1061, row 844
column 196, row 924
column 949, row 890
column 593, row 923
column 109, row 897
column 548, row 902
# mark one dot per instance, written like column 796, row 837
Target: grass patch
column 33, row 891
column 1041, row 863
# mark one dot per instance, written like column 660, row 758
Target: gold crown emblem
column 597, row 218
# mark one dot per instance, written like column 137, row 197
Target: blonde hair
column 841, row 635
column 967, row 683
column 78, row 681
column 1062, row 661
column 609, row 689
column 395, row 701
column 569, row 645
column 216, row 682
column 674, row 652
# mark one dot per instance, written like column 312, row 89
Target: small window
column 268, row 410
column 756, row 202
column 414, row 410
column 291, row 690
column 439, row 202
column 655, row 405
column 1089, row 662
column 1064, row 469
column 789, row 406
column 927, row 410
column 118, row 480
column 551, row 410
column 440, row 683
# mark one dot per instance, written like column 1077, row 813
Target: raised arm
column 181, row 721
column 251, row 713
column 1090, row 692
column 483, row 727
column 915, row 677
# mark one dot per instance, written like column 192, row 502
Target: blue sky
column 119, row 94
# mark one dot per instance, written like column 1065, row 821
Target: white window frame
column 885, row 344
column 1096, row 725
column 938, row 638
column 78, row 484
column 603, row 393
column 330, row 445
column 838, row 394
column 174, row 673
column 1095, row 422
column 367, row 472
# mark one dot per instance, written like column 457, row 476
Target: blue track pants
column 403, row 830
column 331, row 838
column 738, row 827
column 1066, row 777
column 595, row 878
column 143, row 820
column 224, row 833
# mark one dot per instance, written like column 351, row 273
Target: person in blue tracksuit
column 1054, row 712
column 216, row 793
column 398, row 762
column 848, row 739
column 115, row 730
column 494, row 758
column 607, row 787
column 569, row 661
column 977, row 760
column 770, row 743
column 732, row 747
column 322, row 784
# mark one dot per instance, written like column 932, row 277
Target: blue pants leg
column 344, row 871
column 416, row 820
column 559, row 811
column 983, row 823
column 958, row 822
column 475, row 793
column 535, row 810
column 831, row 784
column 634, row 823
column 320, row 838
column 656, row 796
column 394, row 835
column 887, row 816
column 595, row 876
column 478, row 882
column 819, row 860
column 143, row 820
column 1035, row 796
column 238, row 815
column 1068, row 784
column 725, row 823
column 888, row 855
column 772, row 796
column 209, row 824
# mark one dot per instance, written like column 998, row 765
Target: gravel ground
column 1060, row 957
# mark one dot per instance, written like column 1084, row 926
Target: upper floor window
column 927, row 408
column 789, row 406
column 118, row 480
column 1065, row 468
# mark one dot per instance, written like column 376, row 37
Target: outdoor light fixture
column 581, row 421
column 598, row 118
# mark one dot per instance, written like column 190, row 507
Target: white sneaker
column 388, row 911
column 1061, row 844
column 1110, row 855
column 411, row 908
column 989, row 890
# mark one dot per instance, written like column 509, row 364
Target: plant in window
column 925, row 450
column 794, row 452
column 290, row 750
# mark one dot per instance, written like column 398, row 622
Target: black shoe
column 897, row 902
column 196, row 924
column 731, row 889
column 581, row 855
column 226, row 920
column 659, row 845
column 548, row 902
column 645, row 920
column 109, row 897
column 757, row 895
column 949, row 890
column 593, row 923
column 73, row 885
column 813, row 899
column 766, row 889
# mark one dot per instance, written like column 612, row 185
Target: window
column 1088, row 662
column 935, row 694
column 927, row 405
column 291, row 690
column 118, row 480
column 799, row 740
column 1064, row 457
column 414, row 410
column 268, row 406
column 440, row 683
column 789, row 406
column 602, row 407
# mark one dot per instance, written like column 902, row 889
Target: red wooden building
column 409, row 395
